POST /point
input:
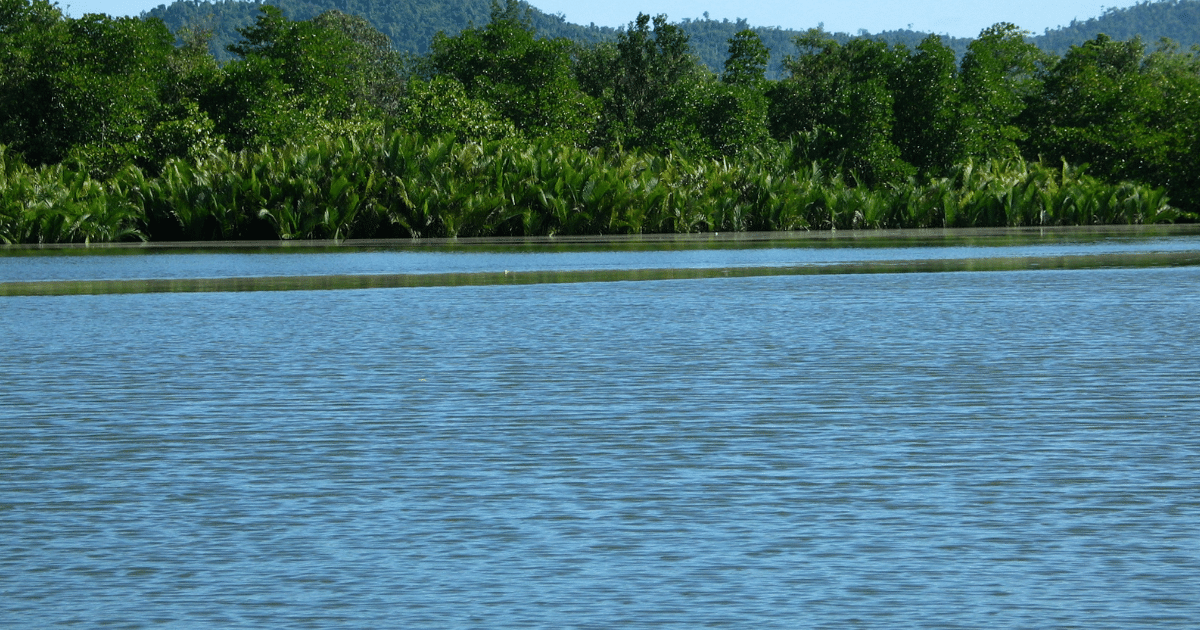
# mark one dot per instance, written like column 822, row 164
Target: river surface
column 949, row 450
column 169, row 265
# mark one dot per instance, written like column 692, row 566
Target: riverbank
column 409, row 186
column 328, row 265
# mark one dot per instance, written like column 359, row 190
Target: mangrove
column 115, row 129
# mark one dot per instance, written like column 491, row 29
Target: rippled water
column 964, row 450
column 410, row 260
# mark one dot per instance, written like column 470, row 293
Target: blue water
column 969, row 450
column 229, row 265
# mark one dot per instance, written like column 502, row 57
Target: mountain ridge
column 411, row 25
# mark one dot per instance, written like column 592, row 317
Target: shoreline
column 633, row 242
column 497, row 278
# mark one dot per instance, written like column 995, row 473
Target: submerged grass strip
column 324, row 283
column 916, row 237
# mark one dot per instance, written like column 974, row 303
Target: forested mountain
column 710, row 41
column 411, row 25
column 1176, row 19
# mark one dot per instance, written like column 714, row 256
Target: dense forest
column 1177, row 20
column 116, row 129
column 411, row 25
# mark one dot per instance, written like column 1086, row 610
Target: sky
column 945, row 17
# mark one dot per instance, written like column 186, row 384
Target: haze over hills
column 1178, row 20
column 411, row 25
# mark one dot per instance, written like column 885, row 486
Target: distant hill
column 1176, row 19
column 710, row 41
column 411, row 25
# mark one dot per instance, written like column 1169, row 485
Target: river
column 1000, row 449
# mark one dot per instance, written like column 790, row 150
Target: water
column 172, row 265
column 1001, row 450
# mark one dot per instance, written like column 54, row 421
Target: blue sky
column 953, row 17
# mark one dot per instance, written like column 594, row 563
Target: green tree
column 1128, row 115
column 441, row 106
column 928, row 129
column 319, row 59
column 999, row 74
column 527, row 80
column 78, row 87
column 734, row 110
column 747, row 61
column 294, row 79
column 648, row 87
column 1178, row 74
column 180, row 127
column 375, row 69
column 253, row 106
column 838, row 100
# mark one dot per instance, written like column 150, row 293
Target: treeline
column 1177, row 20
column 411, row 25
column 320, row 129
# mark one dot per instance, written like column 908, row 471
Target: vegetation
column 1177, row 20
column 110, row 130
column 407, row 185
column 412, row 24
column 409, row 24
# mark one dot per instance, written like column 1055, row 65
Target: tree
column 441, row 106
column 734, row 110
column 647, row 87
column 82, row 87
column 747, row 61
column 179, row 127
column 295, row 78
column 839, row 101
column 928, row 129
column 375, row 68
column 525, row 79
column 999, row 74
column 1128, row 115
column 318, row 59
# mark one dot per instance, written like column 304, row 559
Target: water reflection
column 881, row 451
column 544, row 256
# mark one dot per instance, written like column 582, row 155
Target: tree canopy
column 99, row 96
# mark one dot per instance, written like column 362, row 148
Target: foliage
column 404, row 184
column 733, row 118
column 1128, row 115
column 927, row 104
column 999, row 72
column 293, row 77
column 528, row 80
column 320, row 130
column 838, row 99
column 87, row 87
column 55, row 204
column 747, row 61
column 645, row 86
column 373, row 67
column 441, row 106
